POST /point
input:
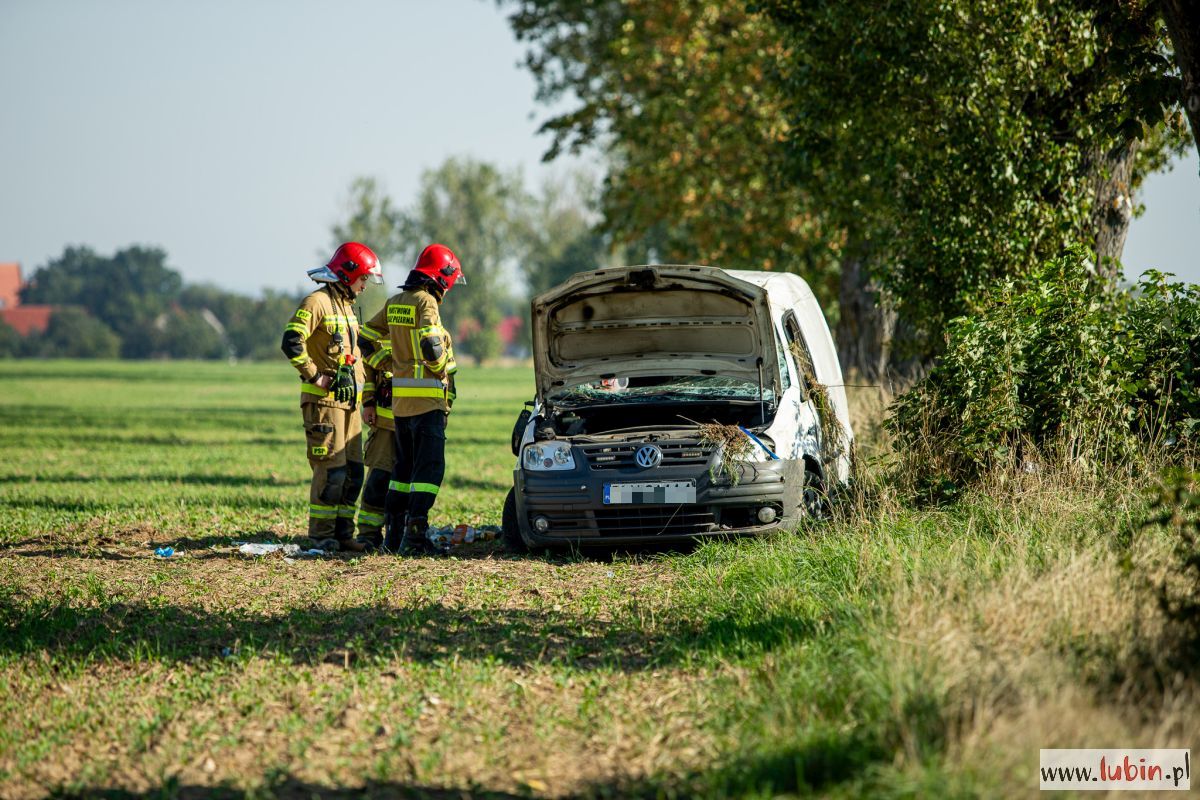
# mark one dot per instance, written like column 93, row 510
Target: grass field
column 890, row 652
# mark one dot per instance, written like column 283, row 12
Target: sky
column 228, row 132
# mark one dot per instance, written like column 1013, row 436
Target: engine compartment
column 645, row 417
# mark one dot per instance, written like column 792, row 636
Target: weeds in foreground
column 1175, row 509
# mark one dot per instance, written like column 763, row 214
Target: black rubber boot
column 393, row 532
column 414, row 543
column 370, row 543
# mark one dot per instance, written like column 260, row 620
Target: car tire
column 814, row 501
column 510, row 531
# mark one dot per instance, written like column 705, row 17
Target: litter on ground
column 289, row 550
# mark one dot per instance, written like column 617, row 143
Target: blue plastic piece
column 758, row 442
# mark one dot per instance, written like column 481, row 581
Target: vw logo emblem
column 648, row 456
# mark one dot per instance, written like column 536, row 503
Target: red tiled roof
column 27, row 319
column 10, row 284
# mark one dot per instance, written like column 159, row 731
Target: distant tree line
column 132, row 305
column 513, row 242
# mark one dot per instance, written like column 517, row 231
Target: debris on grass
column 449, row 536
column 288, row 550
column 164, row 552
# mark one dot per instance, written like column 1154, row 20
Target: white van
column 634, row 365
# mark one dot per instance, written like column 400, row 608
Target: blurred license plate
column 658, row 492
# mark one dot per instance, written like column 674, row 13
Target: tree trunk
column 1183, row 24
column 865, row 326
column 1112, row 205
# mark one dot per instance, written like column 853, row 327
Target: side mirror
column 518, row 431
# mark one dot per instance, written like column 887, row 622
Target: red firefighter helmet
column 438, row 263
column 350, row 262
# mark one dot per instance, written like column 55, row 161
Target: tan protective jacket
column 322, row 332
column 377, row 368
column 422, row 354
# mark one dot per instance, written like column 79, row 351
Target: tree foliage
column 681, row 96
column 126, row 291
column 561, row 238
column 11, row 344
column 479, row 211
column 963, row 143
column 929, row 149
column 74, row 333
column 248, row 326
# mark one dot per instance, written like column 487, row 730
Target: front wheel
column 815, row 500
column 510, row 531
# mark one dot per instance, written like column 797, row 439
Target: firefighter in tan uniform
column 379, row 455
column 422, row 392
column 322, row 342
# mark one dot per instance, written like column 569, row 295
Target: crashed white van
column 631, row 364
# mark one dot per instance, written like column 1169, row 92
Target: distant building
column 21, row 318
column 10, row 284
column 509, row 331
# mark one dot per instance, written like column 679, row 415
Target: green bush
column 1058, row 360
column 74, row 333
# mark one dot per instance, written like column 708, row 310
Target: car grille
column 643, row 521
column 621, row 456
column 633, row 521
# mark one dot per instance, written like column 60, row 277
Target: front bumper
column 572, row 502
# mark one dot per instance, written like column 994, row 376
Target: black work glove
column 383, row 390
column 344, row 387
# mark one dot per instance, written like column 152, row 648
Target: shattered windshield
column 660, row 389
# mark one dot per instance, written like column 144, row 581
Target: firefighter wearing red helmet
column 322, row 342
column 422, row 392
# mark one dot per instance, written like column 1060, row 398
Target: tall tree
column 685, row 98
column 561, row 236
column 1182, row 18
column 479, row 211
column 928, row 148
column 680, row 96
column 962, row 142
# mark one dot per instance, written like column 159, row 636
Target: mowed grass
column 891, row 652
column 203, row 451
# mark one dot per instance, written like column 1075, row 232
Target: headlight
column 544, row 456
column 763, row 449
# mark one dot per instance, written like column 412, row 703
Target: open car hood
column 652, row 320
